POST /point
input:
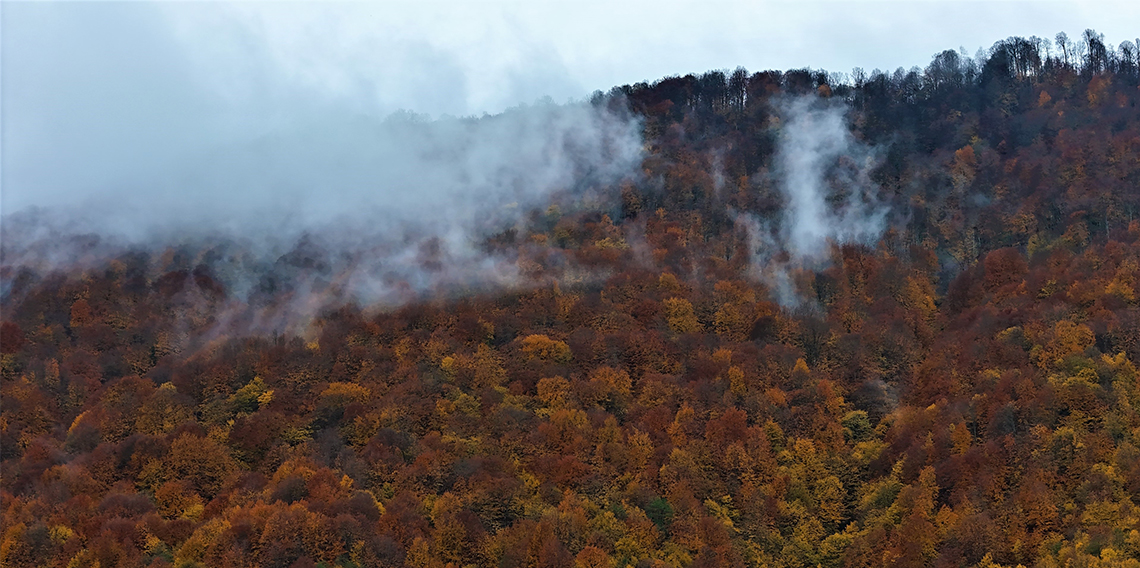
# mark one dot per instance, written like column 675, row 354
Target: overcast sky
column 93, row 90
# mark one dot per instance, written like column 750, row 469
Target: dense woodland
column 963, row 392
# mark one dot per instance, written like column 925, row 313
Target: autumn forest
column 671, row 380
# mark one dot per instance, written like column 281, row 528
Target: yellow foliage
column 339, row 395
column 194, row 549
column 961, row 438
column 565, row 303
column 153, row 543
column 554, row 392
column 640, row 448
column 1122, row 289
column 641, row 537
column 444, row 407
column 988, row 562
column 489, row 372
column 1068, row 339
column 202, row 461
column 162, row 412
column 175, row 500
column 736, row 383
column 1124, row 282
column 84, row 559
column 60, row 534
column 193, row 512
column 593, row 557
column 680, row 316
column 800, row 371
column 248, row 397
column 466, row 403
column 777, row 397
column 611, row 382
column 1077, row 235
column 917, row 295
column 964, row 167
column 732, row 322
column 542, row 347
column 1096, row 89
column 83, row 416
column 402, row 349
column 611, row 243
column 51, row 373
column 723, row 511
column 449, row 367
column 669, row 283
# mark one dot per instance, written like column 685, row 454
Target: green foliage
column 660, row 512
column 251, row 396
column 857, row 426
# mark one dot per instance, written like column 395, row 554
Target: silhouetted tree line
column 998, row 100
column 1007, row 64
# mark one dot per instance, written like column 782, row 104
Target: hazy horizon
column 100, row 96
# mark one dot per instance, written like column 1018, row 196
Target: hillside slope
column 957, row 387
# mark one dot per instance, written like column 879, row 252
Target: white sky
column 97, row 88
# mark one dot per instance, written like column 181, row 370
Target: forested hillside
column 959, row 390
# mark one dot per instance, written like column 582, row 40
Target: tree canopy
column 962, row 392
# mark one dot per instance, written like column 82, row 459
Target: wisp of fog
column 822, row 172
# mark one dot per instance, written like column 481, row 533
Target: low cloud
column 378, row 209
column 202, row 130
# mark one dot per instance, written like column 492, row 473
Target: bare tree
column 1065, row 47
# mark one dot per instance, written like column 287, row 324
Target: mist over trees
column 667, row 379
